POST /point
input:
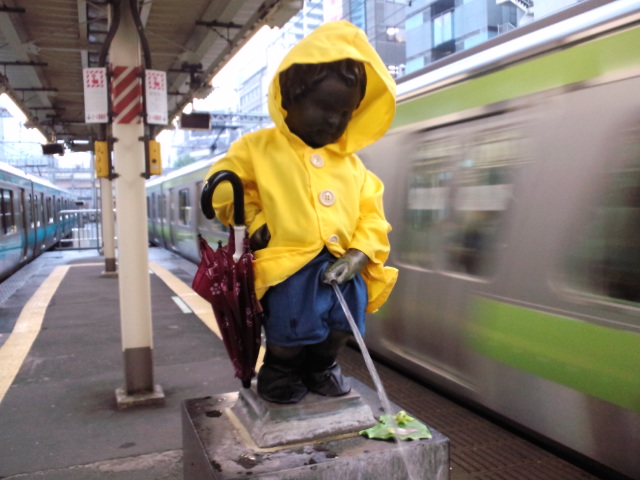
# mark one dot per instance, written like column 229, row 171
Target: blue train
column 30, row 220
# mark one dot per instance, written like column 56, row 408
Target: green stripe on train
column 599, row 361
column 577, row 64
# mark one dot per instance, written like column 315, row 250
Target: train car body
column 30, row 222
column 174, row 215
column 512, row 182
column 513, row 188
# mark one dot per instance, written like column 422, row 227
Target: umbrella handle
column 238, row 195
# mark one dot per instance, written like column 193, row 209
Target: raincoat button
column 327, row 198
column 334, row 239
column 317, row 160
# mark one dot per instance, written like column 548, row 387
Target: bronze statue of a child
column 314, row 212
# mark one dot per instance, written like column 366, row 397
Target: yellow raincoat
column 315, row 198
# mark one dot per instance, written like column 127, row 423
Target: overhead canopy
column 45, row 44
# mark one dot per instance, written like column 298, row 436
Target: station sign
column 96, row 100
column 156, row 97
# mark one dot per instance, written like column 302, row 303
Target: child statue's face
column 322, row 116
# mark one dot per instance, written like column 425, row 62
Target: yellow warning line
column 29, row 323
column 196, row 303
column 15, row 349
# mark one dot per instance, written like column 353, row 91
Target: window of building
column 184, row 205
column 395, row 34
column 443, row 28
column 414, row 21
column 605, row 261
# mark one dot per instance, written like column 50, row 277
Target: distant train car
column 30, row 223
column 174, row 215
column 512, row 182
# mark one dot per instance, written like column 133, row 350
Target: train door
column 458, row 188
column 10, row 245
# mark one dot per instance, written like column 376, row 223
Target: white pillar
column 108, row 230
column 133, row 262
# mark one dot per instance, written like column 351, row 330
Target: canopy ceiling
column 45, row 44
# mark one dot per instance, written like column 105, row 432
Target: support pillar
column 133, row 254
column 108, row 229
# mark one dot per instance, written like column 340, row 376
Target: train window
column 483, row 189
column 162, row 206
column 184, row 205
column 29, row 211
column 428, row 185
column 49, row 210
column 606, row 260
column 459, row 184
column 36, row 208
column 6, row 206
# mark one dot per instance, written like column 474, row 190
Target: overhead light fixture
column 52, row 149
column 195, row 121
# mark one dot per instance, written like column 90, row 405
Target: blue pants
column 302, row 309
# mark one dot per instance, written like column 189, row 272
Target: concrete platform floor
column 58, row 415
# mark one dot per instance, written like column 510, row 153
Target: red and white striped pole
column 133, row 263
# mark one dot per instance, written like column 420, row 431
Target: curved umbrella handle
column 238, row 195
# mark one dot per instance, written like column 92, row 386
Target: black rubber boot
column 280, row 377
column 322, row 375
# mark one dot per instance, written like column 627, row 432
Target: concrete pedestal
column 316, row 439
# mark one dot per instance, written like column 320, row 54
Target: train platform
column 61, row 363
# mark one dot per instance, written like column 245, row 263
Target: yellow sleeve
column 370, row 236
column 238, row 161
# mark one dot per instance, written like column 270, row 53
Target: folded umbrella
column 225, row 279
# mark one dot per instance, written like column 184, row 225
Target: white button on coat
column 334, row 239
column 327, row 198
column 317, row 160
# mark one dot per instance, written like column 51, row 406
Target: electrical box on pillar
column 154, row 158
column 101, row 150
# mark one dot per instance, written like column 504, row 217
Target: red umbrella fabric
column 225, row 279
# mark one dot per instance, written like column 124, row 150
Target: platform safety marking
column 126, row 93
column 26, row 329
column 181, row 305
column 200, row 307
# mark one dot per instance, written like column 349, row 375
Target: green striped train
column 512, row 182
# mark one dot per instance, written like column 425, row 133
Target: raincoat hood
column 337, row 41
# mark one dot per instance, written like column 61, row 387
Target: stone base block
column 218, row 442
column 155, row 398
column 314, row 417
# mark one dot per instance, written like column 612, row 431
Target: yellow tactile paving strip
column 26, row 329
column 200, row 307
column 15, row 349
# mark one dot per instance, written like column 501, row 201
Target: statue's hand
column 346, row 267
column 260, row 238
